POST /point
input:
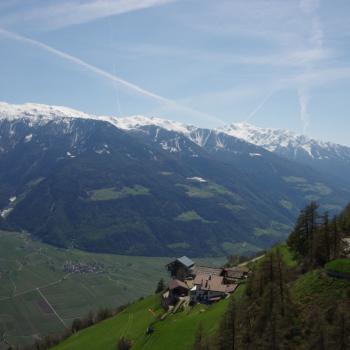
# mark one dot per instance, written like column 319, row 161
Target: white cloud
column 291, row 58
column 165, row 102
column 308, row 6
column 259, row 106
column 317, row 33
column 303, row 96
column 59, row 14
column 83, row 64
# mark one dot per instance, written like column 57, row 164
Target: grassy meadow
column 38, row 297
column 176, row 332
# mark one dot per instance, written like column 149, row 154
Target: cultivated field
column 43, row 288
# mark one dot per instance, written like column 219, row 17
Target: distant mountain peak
column 44, row 113
column 280, row 140
column 137, row 121
column 283, row 142
column 36, row 111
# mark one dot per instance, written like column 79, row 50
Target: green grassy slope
column 26, row 265
column 339, row 265
column 176, row 332
column 287, row 255
column 318, row 288
column 313, row 291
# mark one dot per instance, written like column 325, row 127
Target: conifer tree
column 199, row 341
column 227, row 330
column 160, row 286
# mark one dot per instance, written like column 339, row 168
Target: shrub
column 124, row 344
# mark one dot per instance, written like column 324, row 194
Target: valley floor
column 43, row 288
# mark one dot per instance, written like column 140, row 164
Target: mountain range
column 148, row 186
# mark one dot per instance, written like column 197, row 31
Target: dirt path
column 34, row 289
column 52, row 308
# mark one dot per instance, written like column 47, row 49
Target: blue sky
column 281, row 64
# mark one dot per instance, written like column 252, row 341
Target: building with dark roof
column 180, row 268
column 200, row 283
column 209, row 288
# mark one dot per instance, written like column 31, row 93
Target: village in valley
column 190, row 284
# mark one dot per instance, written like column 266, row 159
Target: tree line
column 318, row 239
column 269, row 317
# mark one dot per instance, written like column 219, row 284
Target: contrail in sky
column 83, row 64
column 259, row 106
column 304, row 102
column 126, row 84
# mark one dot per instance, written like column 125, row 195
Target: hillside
column 309, row 294
column 275, row 308
column 177, row 332
column 144, row 186
column 72, row 281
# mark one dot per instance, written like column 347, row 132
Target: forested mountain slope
column 94, row 183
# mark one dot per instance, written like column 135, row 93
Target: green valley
column 275, row 308
column 37, row 280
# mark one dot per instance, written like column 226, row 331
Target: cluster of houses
column 200, row 284
column 82, row 267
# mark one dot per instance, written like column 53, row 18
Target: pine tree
column 326, row 230
column 336, row 239
column 303, row 237
column 160, row 286
column 199, row 341
column 227, row 330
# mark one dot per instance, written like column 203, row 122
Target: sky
column 272, row 63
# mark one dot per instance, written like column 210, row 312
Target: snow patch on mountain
column 138, row 121
column 287, row 143
column 282, row 142
column 42, row 114
column 197, row 179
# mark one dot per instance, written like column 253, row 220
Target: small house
column 181, row 268
column 205, row 270
column 176, row 290
column 210, row 288
column 235, row 274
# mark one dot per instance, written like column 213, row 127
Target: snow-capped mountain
column 287, row 143
column 327, row 157
column 43, row 114
column 139, row 185
column 282, row 142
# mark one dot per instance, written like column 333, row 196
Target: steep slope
column 177, row 332
column 146, row 186
column 306, row 296
column 326, row 157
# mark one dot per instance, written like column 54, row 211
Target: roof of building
column 184, row 260
column 173, row 284
column 204, row 270
column 230, row 288
column 213, row 283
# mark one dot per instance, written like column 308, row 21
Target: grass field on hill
column 316, row 285
column 176, row 332
column 339, row 265
column 33, row 283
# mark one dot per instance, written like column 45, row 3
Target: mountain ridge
column 268, row 138
column 77, row 180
